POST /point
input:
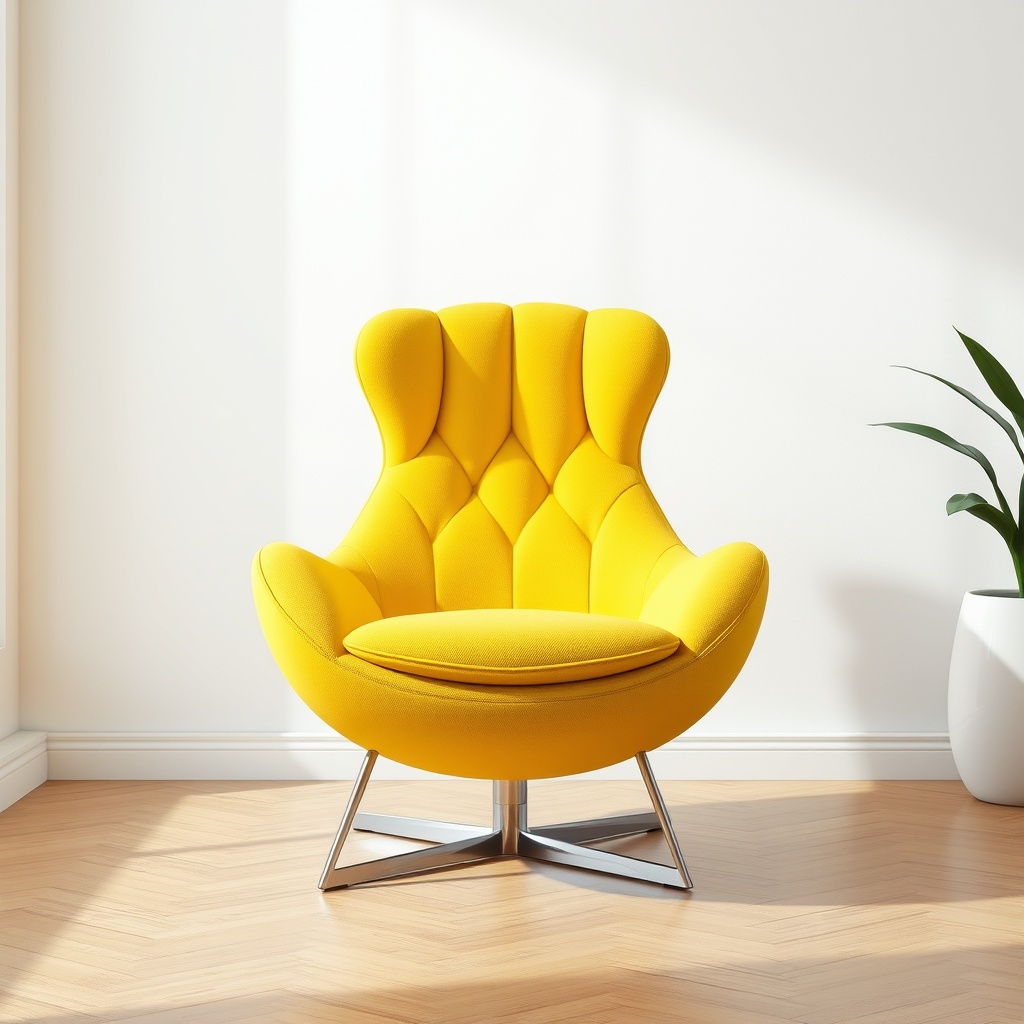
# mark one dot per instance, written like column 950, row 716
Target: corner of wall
column 23, row 755
column 24, row 765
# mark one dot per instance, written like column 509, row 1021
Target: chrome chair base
column 508, row 836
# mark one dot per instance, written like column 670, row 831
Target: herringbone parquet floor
column 819, row 903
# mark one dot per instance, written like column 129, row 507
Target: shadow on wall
column 896, row 100
column 900, row 642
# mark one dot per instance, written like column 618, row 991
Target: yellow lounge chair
column 511, row 603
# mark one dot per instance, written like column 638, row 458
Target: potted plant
column 986, row 672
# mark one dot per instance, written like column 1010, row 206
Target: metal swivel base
column 508, row 837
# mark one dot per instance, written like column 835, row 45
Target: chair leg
column 480, row 844
column 419, row 828
column 593, row 829
column 557, row 844
column 417, row 862
column 663, row 817
column 358, row 788
column 510, row 836
column 555, row 851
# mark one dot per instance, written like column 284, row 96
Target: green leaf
column 978, row 506
column 997, row 378
column 1020, row 524
column 960, row 502
column 974, row 400
column 964, row 449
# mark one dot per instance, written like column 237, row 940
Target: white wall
column 9, row 697
column 216, row 197
column 154, row 424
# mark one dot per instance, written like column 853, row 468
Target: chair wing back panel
column 400, row 367
column 625, row 363
column 511, row 459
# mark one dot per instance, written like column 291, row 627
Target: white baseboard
column 314, row 756
column 23, row 765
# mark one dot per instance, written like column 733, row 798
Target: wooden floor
column 814, row 902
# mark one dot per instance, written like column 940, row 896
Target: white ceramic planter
column 986, row 696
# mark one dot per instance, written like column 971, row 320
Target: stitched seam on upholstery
column 515, row 669
column 579, row 529
column 650, row 573
column 454, row 457
column 298, row 629
column 608, row 510
column 391, row 685
column 551, row 491
column 511, row 425
column 483, row 472
column 512, row 352
column 419, row 518
column 517, row 699
column 597, row 533
column 588, row 433
column 476, row 490
column 430, row 541
column 732, row 625
column 437, row 430
column 501, row 528
column 476, row 486
column 578, row 442
column 472, row 489
column 548, row 483
column 361, row 557
column 423, row 446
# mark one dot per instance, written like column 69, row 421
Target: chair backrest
column 512, row 470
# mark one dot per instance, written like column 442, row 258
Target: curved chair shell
column 511, row 479
column 511, row 732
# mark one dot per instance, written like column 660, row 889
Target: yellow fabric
column 538, row 412
column 701, row 599
column 322, row 600
column 511, row 479
column 551, row 562
column 476, row 404
column 547, row 393
column 460, row 583
column 512, row 488
column 625, row 363
column 510, row 646
column 400, row 560
column 405, row 404
column 632, row 537
column 589, row 483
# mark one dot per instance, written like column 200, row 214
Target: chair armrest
column 295, row 589
column 702, row 599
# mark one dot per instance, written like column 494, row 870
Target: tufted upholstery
column 512, row 460
column 511, row 479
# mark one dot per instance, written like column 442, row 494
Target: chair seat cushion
column 510, row 645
